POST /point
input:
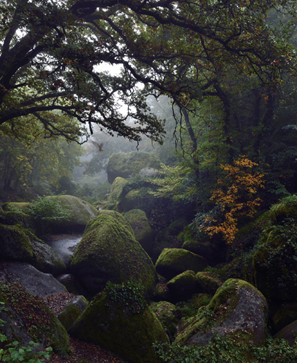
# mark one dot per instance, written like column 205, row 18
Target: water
column 64, row 244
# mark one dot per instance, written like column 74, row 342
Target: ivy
column 129, row 295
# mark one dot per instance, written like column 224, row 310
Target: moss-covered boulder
column 169, row 316
column 116, row 190
column 126, row 165
column 77, row 214
column 108, row 251
column 237, row 309
column 205, row 249
column 119, row 217
column 28, row 318
column 173, row 261
column 15, row 243
column 206, row 283
column 141, row 228
column 122, row 322
column 20, row 244
column 72, row 311
column 182, row 286
column 161, row 292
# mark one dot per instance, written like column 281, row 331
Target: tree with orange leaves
column 236, row 196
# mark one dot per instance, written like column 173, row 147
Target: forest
column 158, row 140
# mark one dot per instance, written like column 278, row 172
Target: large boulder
column 31, row 279
column 28, row 318
column 19, row 244
column 141, row 228
column 109, row 251
column 173, row 261
column 126, row 165
column 182, row 286
column 169, row 316
column 77, row 214
column 121, row 321
column 237, row 308
column 72, row 311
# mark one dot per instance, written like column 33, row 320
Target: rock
column 236, row 308
column 205, row 249
column 79, row 214
column 123, row 325
column 72, row 311
column 141, row 228
column 173, row 261
column 71, row 283
column 126, row 165
column 19, row 244
column 36, row 282
column 108, row 251
column 284, row 315
column 119, row 217
column 15, row 243
column 288, row 332
column 46, row 259
column 182, row 286
column 28, row 318
column 206, row 283
column 161, row 292
column 169, row 316
column 116, row 190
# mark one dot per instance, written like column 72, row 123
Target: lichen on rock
column 237, row 308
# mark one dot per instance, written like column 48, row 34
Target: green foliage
column 14, row 352
column 46, row 209
column 229, row 349
column 175, row 183
column 129, row 295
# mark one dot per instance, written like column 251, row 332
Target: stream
column 64, row 244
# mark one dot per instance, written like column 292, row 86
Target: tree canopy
column 54, row 56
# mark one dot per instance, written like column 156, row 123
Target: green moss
column 206, row 283
column 140, row 225
column 15, row 243
column 109, row 251
column 69, row 315
column 173, row 261
column 168, row 314
column 236, row 308
column 128, row 334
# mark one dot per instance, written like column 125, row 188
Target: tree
column 52, row 54
column 236, row 196
column 31, row 159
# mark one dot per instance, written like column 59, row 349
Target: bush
column 229, row 349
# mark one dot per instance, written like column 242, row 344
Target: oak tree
column 53, row 56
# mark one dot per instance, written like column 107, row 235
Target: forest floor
column 81, row 352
